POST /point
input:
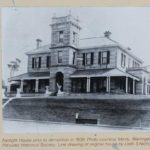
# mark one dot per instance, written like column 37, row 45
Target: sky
column 130, row 26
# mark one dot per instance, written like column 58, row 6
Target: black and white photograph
column 75, row 69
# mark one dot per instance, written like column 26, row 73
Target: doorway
column 59, row 80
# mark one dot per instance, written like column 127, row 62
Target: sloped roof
column 87, row 43
column 96, row 42
column 42, row 49
column 89, row 72
column 101, row 73
column 30, row 75
column 103, row 42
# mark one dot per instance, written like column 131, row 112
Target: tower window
column 61, row 36
column 59, row 56
column 74, row 37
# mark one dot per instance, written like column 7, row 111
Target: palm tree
column 14, row 66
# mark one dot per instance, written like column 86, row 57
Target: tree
column 14, row 66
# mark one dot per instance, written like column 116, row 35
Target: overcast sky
column 22, row 26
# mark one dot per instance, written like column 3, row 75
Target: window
column 36, row 62
column 129, row 61
column 74, row 55
column 135, row 64
column 104, row 57
column 48, row 63
column 60, row 57
column 123, row 60
column 83, row 62
column 88, row 58
column 74, row 37
column 61, row 36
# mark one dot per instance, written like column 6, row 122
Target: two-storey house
column 90, row 65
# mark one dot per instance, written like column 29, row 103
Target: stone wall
column 96, row 65
column 66, row 71
column 43, row 63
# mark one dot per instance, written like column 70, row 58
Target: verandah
column 108, row 84
column 30, row 86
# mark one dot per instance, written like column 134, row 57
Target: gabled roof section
column 42, row 49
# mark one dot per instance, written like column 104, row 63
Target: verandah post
column 36, row 85
column 88, row 86
column 126, row 84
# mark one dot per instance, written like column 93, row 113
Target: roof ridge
column 92, row 38
column 114, row 41
column 36, row 49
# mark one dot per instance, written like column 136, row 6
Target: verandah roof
column 31, row 75
column 102, row 73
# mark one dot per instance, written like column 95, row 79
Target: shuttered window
column 104, row 57
column 36, row 62
column 88, row 58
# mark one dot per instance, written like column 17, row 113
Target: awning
column 33, row 75
column 102, row 73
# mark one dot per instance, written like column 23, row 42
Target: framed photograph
column 75, row 77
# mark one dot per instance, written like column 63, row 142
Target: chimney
column 38, row 43
column 107, row 34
